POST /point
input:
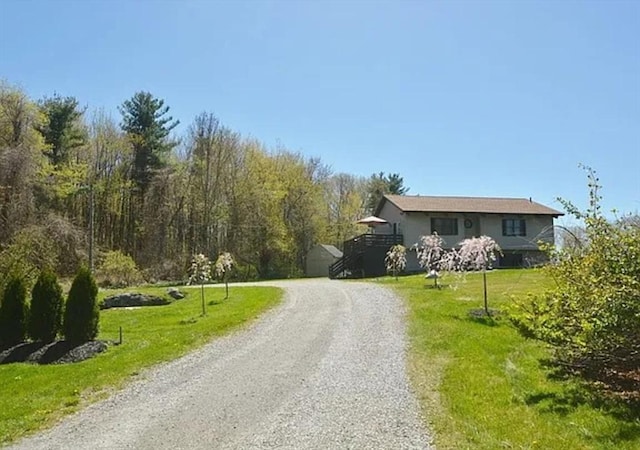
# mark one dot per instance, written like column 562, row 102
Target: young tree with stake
column 479, row 253
column 200, row 272
column 396, row 259
column 430, row 253
column 223, row 266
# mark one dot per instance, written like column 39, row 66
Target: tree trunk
column 484, row 280
column 202, row 294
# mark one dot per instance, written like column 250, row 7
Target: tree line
column 75, row 184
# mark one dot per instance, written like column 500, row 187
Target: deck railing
column 350, row 263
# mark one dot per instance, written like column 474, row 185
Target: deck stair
column 358, row 250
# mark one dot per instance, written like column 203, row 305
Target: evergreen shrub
column 82, row 315
column 45, row 320
column 13, row 312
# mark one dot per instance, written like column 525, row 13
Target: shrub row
column 47, row 315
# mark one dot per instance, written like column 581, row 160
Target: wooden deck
column 363, row 256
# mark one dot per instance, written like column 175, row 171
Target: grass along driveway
column 33, row 397
column 326, row 370
column 483, row 386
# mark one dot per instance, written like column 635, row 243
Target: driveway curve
column 325, row 369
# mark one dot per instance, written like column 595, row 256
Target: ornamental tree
column 430, row 254
column 396, row 259
column 200, row 272
column 478, row 253
column 223, row 266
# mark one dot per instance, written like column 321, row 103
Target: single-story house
column 319, row 258
column 518, row 225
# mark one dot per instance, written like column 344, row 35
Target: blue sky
column 476, row 98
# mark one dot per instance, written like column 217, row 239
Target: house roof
column 419, row 203
column 332, row 250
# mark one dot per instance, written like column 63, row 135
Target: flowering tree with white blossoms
column 396, row 259
column 430, row 254
column 223, row 266
column 479, row 253
column 200, row 272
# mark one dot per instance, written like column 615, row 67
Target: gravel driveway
column 325, row 370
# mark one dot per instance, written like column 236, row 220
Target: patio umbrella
column 372, row 221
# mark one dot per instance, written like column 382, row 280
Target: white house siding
column 419, row 224
column 538, row 228
column 393, row 215
column 412, row 225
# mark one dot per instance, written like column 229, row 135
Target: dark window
column 514, row 227
column 444, row 227
column 511, row 260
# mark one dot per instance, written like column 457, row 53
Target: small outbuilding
column 320, row 258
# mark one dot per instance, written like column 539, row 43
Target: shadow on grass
column 582, row 391
column 480, row 316
column 52, row 353
column 439, row 287
column 566, row 402
column 188, row 321
column 561, row 403
column 618, row 385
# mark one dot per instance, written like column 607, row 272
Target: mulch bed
column 58, row 352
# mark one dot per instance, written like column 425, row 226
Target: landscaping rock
column 175, row 293
column 132, row 299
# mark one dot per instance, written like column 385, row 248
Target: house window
column 444, row 227
column 514, row 227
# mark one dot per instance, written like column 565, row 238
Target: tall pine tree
column 62, row 128
column 145, row 120
column 380, row 185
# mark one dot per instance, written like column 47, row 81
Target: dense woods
column 78, row 183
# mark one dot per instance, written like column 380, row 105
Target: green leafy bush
column 592, row 316
column 81, row 315
column 29, row 251
column 45, row 319
column 13, row 312
column 118, row 270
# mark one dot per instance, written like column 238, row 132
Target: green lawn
column 482, row 386
column 32, row 396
